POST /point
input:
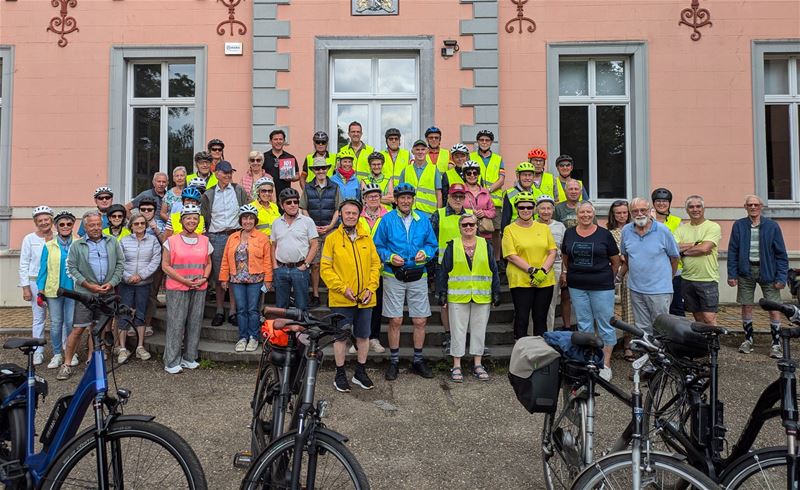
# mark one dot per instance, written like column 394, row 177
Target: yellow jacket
column 350, row 264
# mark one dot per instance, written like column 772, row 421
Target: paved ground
column 441, row 435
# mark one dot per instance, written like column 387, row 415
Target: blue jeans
column 287, row 280
column 61, row 312
column 359, row 318
column 135, row 296
column 595, row 307
column 247, row 297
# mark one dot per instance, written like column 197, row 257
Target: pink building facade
column 637, row 98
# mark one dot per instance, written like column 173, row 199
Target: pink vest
column 187, row 260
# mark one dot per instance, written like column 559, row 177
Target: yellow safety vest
column 426, row 187
column 443, row 161
column 384, row 183
column 398, row 165
column 331, row 159
column 546, row 186
column 490, row 174
column 122, row 234
column 453, row 177
column 371, row 229
column 211, row 181
column 465, row 285
column 672, row 222
column 562, row 194
column 53, row 280
column 177, row 227
column 266, row 216
column 448, row 228
column 362, row 163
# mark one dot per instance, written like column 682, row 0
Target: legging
column 533, row 303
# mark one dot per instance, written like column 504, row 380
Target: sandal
column 456, row 376
column 629, row 355
column 480, row 373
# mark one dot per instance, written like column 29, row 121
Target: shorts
column 745, row 293
column 396, row 293
column 359, row 318
column 700, row 296
column 218, row 241
column 321, row 241
column 83, row 316
column 498, row 216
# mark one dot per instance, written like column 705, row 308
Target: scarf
column 347, row 173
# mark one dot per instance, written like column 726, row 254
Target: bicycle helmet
column 288, row 193
column 247, row 209
column 346, row 152
column 376, row 155
column 147, row 200
column 485, row 132
column 103, row 189
column 63, row 215
column 321, row 136
column 116, row 208
column 198, row 183
column 471, row 164
column 525, row 167
column 190, row 209
column 404, row 188
column 564, row 158
column 537, row 153
column 460, row 148
column 191, row 193
column 392, row 132
column 372, row 187
column 545, row 198
column 202, row 156
column 433, row 130
column 525, row 196
column 217, row 142
column 266, row 180
column 661, row 193
column 354, row 202
column 42, row 210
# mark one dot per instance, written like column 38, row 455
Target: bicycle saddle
column 20, row 343
column 582, row 339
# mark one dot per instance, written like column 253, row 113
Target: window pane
column 397, row 76
column 146, row 145
column 181, row 137
column 574, row 139
column 779, row 158
column 610, row 77
column 398, row 116
column 181, row 79
column 611, row 151
column 573, row 78
column 146, row 80
column 352, row 75
column 347, row 113
column 776, row 76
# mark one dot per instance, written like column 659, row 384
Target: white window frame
column 637, row 128
column 6, row 99
column 373, row 135
column 761, row 51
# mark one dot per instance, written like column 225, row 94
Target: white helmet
column 471, row 164
column 197, row 182
column 545, row 198
column 371, row 187
column 190, row 209
column 248, row 209
column 42, row 210
column 103, row 189
column 460, row 148
column 264, row 181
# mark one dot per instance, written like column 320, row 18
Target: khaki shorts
column 321, row 241
column 498, row 215
column 746, row 292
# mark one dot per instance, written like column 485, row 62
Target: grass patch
column 207, row 364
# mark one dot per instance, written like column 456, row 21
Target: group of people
column 385, row 230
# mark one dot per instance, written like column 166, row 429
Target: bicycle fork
column 789, row 413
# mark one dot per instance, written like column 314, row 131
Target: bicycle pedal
column 12, row 471
column 242, row 459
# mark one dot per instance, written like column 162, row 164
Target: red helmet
column 537, row 153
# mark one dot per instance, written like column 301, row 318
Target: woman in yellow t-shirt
column 530, row 249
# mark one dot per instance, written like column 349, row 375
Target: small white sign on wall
column 233, row 49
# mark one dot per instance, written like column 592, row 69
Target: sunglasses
column 457, row 196
column 564, row 164
column 524, row 208
column 322, row 169
column 265, row 191
column 62, row 224
column 116, row 216
column 753, row 205
column 320, row 142
column 253, row 160
column 468, row 225
column 216, row 149
column 147, row 210
column 139, row 223
column 290, row 202
column 103, row 198
column 471, row 172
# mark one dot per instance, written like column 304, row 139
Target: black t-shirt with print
column 589, row 264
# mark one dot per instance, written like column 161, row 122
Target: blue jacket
column 774, row 262
column 347, row 190
column 391, row 238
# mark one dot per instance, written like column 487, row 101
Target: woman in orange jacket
column 247, row 264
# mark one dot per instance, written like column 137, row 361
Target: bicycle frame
column 305, row 424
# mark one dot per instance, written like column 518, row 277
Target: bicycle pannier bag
column 534, row 374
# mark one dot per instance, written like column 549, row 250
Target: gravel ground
column 439, row 435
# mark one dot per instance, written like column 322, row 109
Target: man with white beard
column 650, row 255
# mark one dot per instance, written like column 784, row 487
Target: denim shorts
column 700, row 296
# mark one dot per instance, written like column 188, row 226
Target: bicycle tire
column 175, row 465
column 614, row 471
column 12, row 428
column 273, row 468
column 751, row 471
column 562, row 465
column 263, row 407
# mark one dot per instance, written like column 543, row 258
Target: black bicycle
column 324, row 461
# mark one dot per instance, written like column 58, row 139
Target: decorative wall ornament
column 375, row 7
column 232, row 22
column 63, row 24
column 520, row 18
column 695, row 17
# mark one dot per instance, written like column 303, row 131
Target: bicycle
column 325, row 461
column 117, row 450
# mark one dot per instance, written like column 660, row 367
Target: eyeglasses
column 753, row 205
column 565, row 164
column 103, row 198
column 116, row 216
column 468, row 225
column 253, row 160
column 393, row 138
column 290, row 202
column 471, row 172
column 524, row 208
column 459, row 197
column 639, row 211
column 139, row 223
column 216, row 149
column 147, row 210
column 62, row 224
column 265, row 191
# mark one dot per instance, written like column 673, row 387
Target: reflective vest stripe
column 470, row 278
column 465, row 285
column 188, row 266
column 490, row 174
column 425, row 186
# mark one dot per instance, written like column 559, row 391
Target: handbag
column 485, row 225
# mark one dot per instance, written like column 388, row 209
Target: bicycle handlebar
column 86, row 299
column 290, row 313
column 789, row 310
column 627, row 327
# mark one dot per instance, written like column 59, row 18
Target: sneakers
column 173, row 369
column 314, row 302
column 241, row 345
column 252, row 345
column 391, row 372
column 746, row 347
column 422, row 368
column 218, row 320
column 64, row 372
column 123, row 356
column 352, row 349
column 375, row 346
column 141, row 353
column 776, row 352
column 340, row 381
column 75, row 360
column 606, row 373
column 361, row 379
column 38, row 358
column 56, row 362
column 189, row 364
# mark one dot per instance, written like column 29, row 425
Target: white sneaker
column 75, row 360
column 38, row 358
column 189, row 364
column 746, row 347
column 56, row 362
column 173, row 370
column 776, row 352
column 606, row 373
column 142, row 353
column 375, row 346
column 352, row 349
column 241, row 345
column 123, row 356
column 252, row 345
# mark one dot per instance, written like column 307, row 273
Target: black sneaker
column 218, row 320
column 340, row 382
column 233, row 320
column 314, row 302
column 421, row 368
column 361, row 379
column 392, row 371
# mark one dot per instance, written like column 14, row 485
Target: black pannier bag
column 534, row 374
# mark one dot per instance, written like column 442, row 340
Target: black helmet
column 354, row 202
column 392, row 132
column 115, row 208
column 661, row 193
column 376, row 155
column 288, row 193
column 485, row 132
column 215, row 141
column 321, row 136
column 564, row 158
column 202, row 156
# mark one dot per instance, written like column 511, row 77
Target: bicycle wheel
column 12, row 428
column 564, row 448
column 336, row 467
column 764, row 468
column 140, row 455
column 660, row 472
column 267, row 391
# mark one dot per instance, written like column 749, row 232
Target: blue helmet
column 191, row 193
column 404, row 188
